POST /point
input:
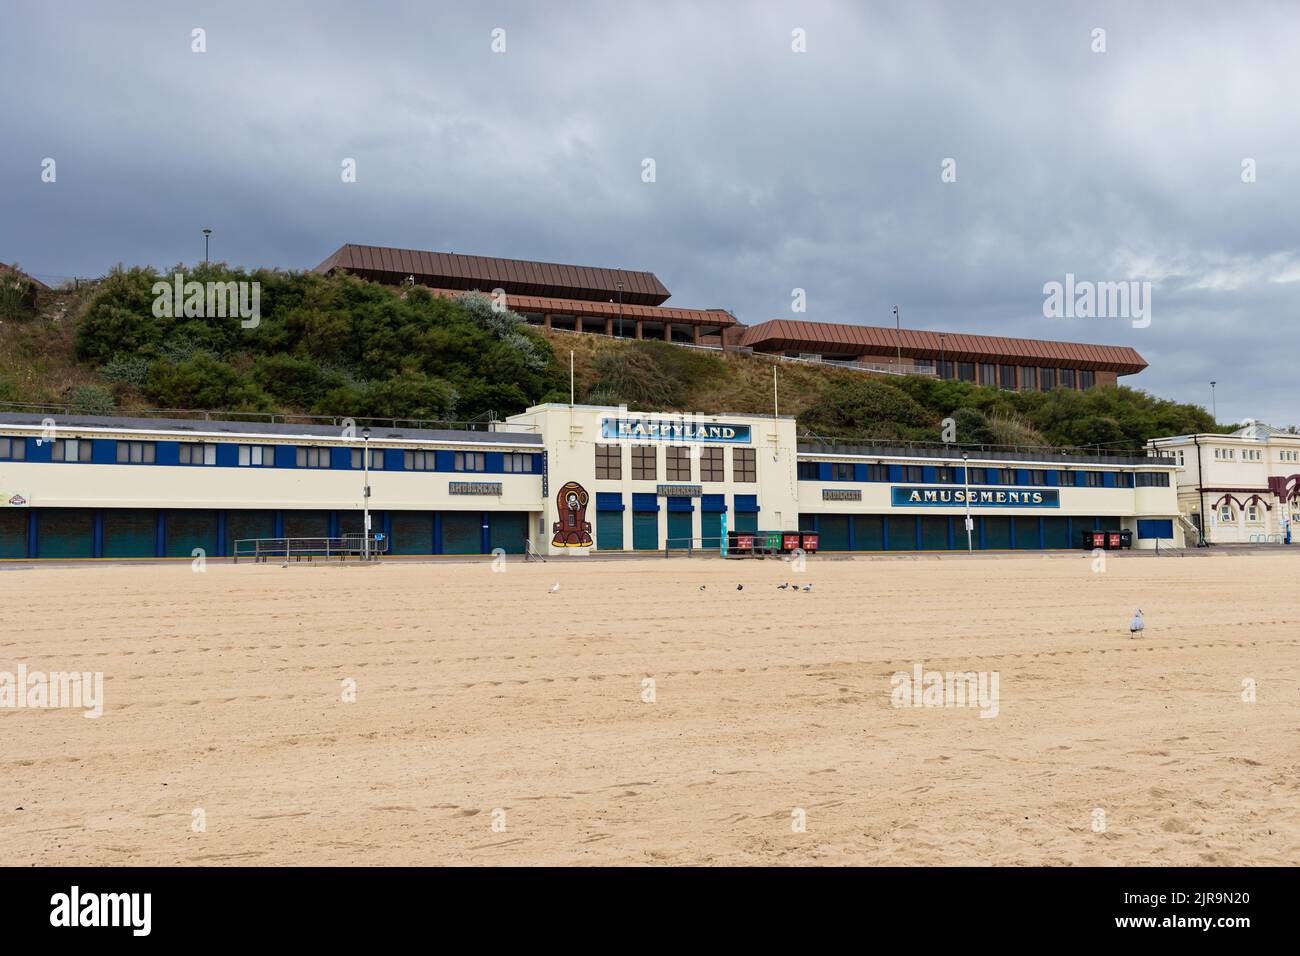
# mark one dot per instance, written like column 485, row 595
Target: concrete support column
column 695, row 334
column 668, row 331
column 609, row 327
column 546, row 322
column 577, row 323
column 638, row 328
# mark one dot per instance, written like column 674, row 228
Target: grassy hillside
column 340, row 346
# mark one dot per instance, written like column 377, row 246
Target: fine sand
column 481, row 698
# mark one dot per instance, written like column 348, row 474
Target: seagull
column 554, row 587
column 782, row 587
column 740, row 587
column 701, row 587
column 1136, row 625
column 807, row 587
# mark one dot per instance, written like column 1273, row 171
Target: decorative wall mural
column 573, row 530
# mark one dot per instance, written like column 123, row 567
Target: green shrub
column 126, row 370
column 91, row 400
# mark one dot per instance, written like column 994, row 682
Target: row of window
column 943, row 474
column 1247, row 454
column 1026, row 378
column 678, row 464
column 261, row 456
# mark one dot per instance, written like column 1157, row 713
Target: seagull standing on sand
column 1136, row 625
column 554, row 587
column 807, row 587
column 782, row 587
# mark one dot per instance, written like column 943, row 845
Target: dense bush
column 91, row 400
column 17, row 296
column 328, row 345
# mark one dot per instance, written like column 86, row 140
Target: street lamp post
column 898, row 337
column 1214, row 404
column 965, row 477
column 365, row 498
column 620, row 310
column 941, row 338
column 206, row 233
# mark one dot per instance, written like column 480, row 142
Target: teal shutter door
column 609, row 531
column 645, row 530
column 187, row 530
column 130, row 533
column 679, row 529
column 412, row 532
column 461, row 532
column 66, row 533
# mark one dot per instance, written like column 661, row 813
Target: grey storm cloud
column 775, row 170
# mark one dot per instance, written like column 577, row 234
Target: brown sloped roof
column 447, row 270
column 547, row 304
column 797, row 335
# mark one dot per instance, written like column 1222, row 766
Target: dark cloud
column 775, row 170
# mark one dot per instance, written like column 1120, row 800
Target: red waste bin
column 744, row 542
column 810, row 543
column 1113, row 541
column 789, row 541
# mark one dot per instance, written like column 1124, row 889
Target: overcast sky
column 774, row 169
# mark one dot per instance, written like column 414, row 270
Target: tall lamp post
column 898, row 337
column 365, row 498
column 206, row 233
column 965, row 477
column 941, row 338
column 620, row 310
column 1214, row 404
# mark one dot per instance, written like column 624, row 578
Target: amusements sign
column 679, row 491
column 913, row 496
column 841, row 494
column 648, row 429
column 474, row 488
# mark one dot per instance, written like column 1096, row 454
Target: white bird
column 1136, row 625
column 807, row 587
column 555, row 587
column 782, row 587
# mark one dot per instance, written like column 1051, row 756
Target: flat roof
column 199, row 426
column 609, row 310
column 798, row 335
column 449, row 270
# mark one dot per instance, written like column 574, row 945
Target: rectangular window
column 1093, row 479
column 677, row 463
column 1006, row 476
column 516, row 463
column 128, row 452
column 471, row 461
column 977, row 476
column 841, row 471
column 1007, row 376
column 913, row 473
column 743, row 465
column 1046, row 379
column 1151, row 479
column 256, row 456
column 877, row 472
column 13, row 449
column 711, row 467
column 924, row 365
column 1037, row 477
column 313, row 457
column 944, row 368
column 1252, row 514
column 197, row 453
column 1087, row 379
column 1028, row 378
column 609, row 462
column 1067, row 378
column 1225, row 513
column 644, row 465
column 420, row 460
column 988, row 374
column 376, row 458
column 945, row 474
column 807, row 471
column 966, row 371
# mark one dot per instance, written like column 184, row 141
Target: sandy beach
column 495, row 722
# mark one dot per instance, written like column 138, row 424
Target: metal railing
column 342, row 547
column 813, row 443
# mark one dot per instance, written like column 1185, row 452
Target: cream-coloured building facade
column 1240, row 488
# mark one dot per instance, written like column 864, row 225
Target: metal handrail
column 342, row 546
